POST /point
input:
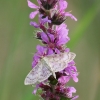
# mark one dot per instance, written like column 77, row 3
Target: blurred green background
column 17, row 47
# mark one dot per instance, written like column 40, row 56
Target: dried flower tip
column 58, row 18
column 48, row 4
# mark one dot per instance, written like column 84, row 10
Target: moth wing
column 45, row 72
column 71, row 56
column 33, row 75
column 58, row 62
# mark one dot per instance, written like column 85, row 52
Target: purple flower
column 34, row 24
column 43, row 4
column 32, row 5
column 71, row 71
column 69, row 91
column 62, row 6
column 53, row 42
column 63, row 79
column 59, row 15
column 66, row 91
column 49, row 39
column 62, row 32
column 41, row 52
column 42, row 21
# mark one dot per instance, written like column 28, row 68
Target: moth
column 47, row 66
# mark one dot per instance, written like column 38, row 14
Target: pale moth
column 48, row 66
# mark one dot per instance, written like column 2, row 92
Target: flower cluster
column 54, row 36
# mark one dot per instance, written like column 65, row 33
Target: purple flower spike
column 50, row 70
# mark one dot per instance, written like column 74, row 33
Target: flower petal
column 63, row 79
column 72, row 90
column 75, row 97
column 75, row 78
column 35, row 60
column 57, row 51
column 60, row 27
column 51, row 37
column 44, row 37
column 44, row 20
column 36, row 88
column 34, row 63
column 34, row 24
column 41, row 50
column 63, row 40
column 32, row 5
column 33, row 14
column 63, row 4
column 39, row 2
column 50, row 51
column 71, row 16
column 67, row 50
